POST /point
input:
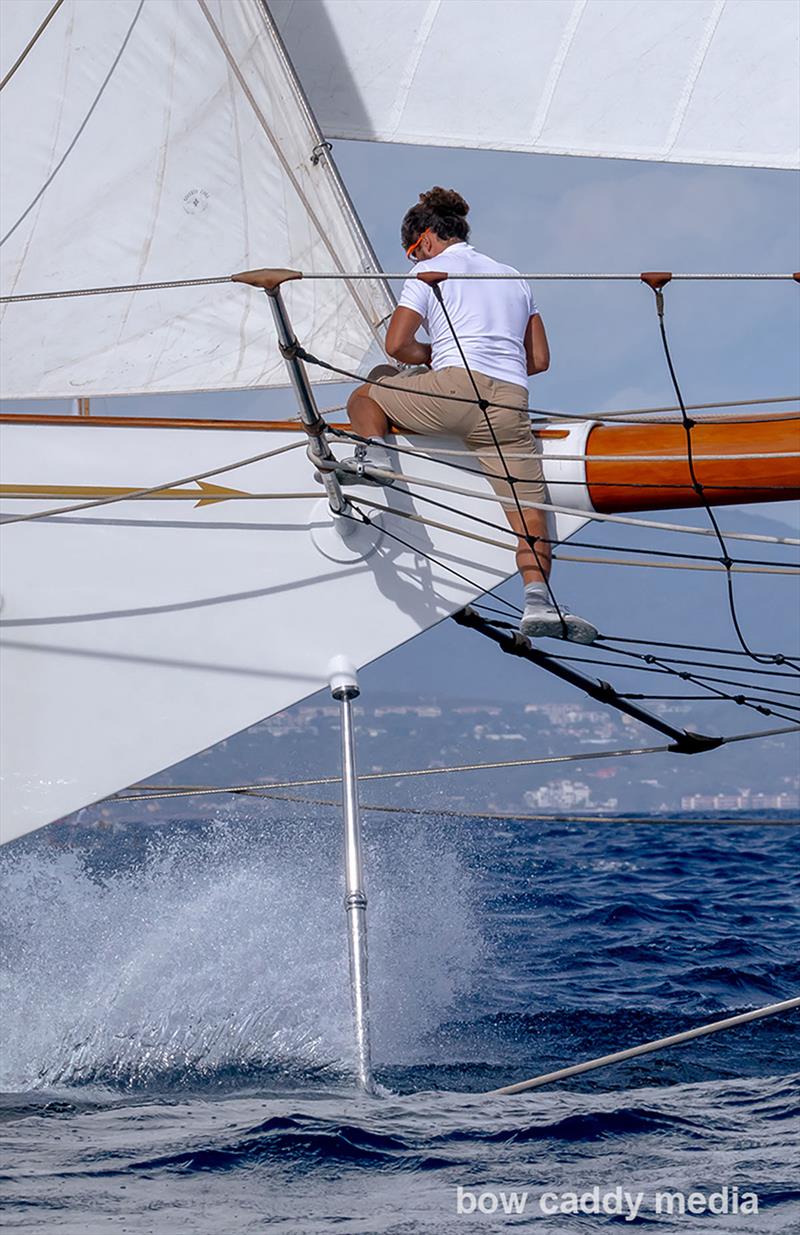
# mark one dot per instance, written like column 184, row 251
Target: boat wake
column 216, row 955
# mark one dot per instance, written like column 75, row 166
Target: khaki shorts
column 420, row 408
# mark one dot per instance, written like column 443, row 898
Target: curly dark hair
column 443, row 211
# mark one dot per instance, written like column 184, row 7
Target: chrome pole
column 344, row 688
column 318, row 449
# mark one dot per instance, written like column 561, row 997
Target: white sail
column 150, row 140
column 683, row 81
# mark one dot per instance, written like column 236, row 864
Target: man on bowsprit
column 502, row 341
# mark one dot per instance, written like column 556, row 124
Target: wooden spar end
column 736, row 460
column 432, row 277
column 267, row 279
column 657, row 279
column 796, row 276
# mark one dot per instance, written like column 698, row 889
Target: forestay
column 688, row 81
column 147, row 140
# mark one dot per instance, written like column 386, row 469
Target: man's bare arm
column 401, row 340
column 537, row 350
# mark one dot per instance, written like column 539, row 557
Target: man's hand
column 401, row 341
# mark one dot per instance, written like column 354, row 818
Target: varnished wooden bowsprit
column 727, row 479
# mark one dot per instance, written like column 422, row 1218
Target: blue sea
column 177, row 1047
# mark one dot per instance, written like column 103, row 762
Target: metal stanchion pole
column 319, row 451
column 344, row 688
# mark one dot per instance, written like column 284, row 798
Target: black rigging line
column 647, row 663
column 350, row 435
column 688, row 425
column 515, row 644
column 601, row 691
column 484, row 406
column 687, row 647
column 477, row 587
column 793, row 707
column 710, row 664
column 652, row 664
column 600, row 546
column 704, row 682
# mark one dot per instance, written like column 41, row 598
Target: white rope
column 594, row 458
column 569, row 557
column 205, row 790
column 170, row 484
column 531, row 275
column 384, row 474
column 660, row 1044
column 353, row 275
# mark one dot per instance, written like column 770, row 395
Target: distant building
column 744, row 800
column 560, row 795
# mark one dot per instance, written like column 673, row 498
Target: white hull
column 138, row 633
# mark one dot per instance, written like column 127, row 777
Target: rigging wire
column 654, row 665
column 358, row 275
column 587, row 756
column 484, row 404
column 31, row 42
column 385, row 474
column 705, row 682
column 682, row 647
column 688, row 426
column 615, row 820
column 645, row 1048
column 148, row 492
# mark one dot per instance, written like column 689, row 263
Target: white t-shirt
column 489, row 316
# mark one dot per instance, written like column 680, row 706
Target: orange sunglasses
column 410, row 251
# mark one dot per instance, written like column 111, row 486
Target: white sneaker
column 541, row 620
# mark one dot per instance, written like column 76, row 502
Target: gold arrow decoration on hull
column 204, row 495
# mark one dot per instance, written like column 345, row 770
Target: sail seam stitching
column 554, row 76
column 692, row 77
column 412, row 64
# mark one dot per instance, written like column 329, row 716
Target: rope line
column 766, row 568
column 688, row 426
column 194, row 791
column 31, row 42
column 682, row 647
column 660, row 1044
column 552, row 817
column 140, row 493
column 742, row 566
column 704, row 681
column 355, row 275
column 484, row 405
column 386, row 474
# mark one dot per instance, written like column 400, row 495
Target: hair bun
column 444, row 202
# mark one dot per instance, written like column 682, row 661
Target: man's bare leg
column 366, row 416
column 542, row 617
column 534, row 557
